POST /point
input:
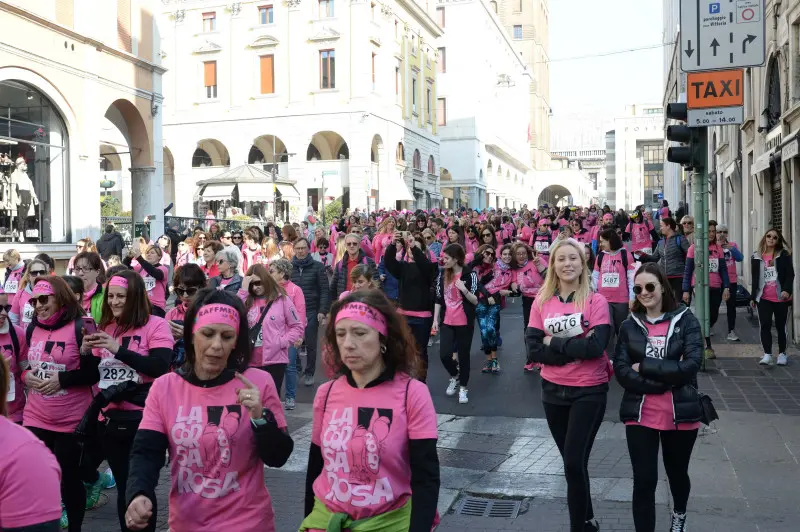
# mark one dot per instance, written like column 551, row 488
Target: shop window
column 34, row 167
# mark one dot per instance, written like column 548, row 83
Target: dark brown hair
column 272, row 290
column 5, row 379
column 610, row 235
column 528, row 250
column 65, row 299
column 668, row 301
column 454, row 251
column 289, row 233
column 401, row 350
column 239, row 358
column 189, row 274
column 95, row 262
column 136, row 312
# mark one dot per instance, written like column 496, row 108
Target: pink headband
column 365, row 314
column 43, row 288
column 120, row 281
column 217, row 313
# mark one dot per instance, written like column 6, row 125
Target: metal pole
column 700, row 191
column 324, row 223
column 274, row 188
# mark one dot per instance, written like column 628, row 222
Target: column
column 148, row 198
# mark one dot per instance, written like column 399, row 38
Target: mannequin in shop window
column 26, row 199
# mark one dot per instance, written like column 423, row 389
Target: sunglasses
column 723, row 232
column 687, row 223
column 638, row 289
column 772, row 237
column 189, row 292
column 237, row 237
column 7, row 308
column 256, row 283
column 353, row 244
column 428, row 238
column 36, row 273
column 226, row 236
column 41, row 300
column 487, row 234
column 322, row 247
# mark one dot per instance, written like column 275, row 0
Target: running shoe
column 766, row 360
column 451, row 388
column 289, row 404
column 678, row 522
column 530, row 367
column 782, row 359
column 64, row 521
column 487, row 367
column 462, row 396
column 591, row 526
column 495, row 366
column 308, row 380
column 93, row 492
column 732, row 337
column 709, row 354
column 108, row 479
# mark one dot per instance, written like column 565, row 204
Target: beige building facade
column 71, row 70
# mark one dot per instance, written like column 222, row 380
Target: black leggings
column 574, row 428
column 676, row 448
column 117, row 440
column 677, row 286
column 714, row 301
column 618, row 312
column 421, row 330
column 277, row 371
column 730, row 307
column 527, row 303
column 766, row 309
column 65, row 447
column 456, row 337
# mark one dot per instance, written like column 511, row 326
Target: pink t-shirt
column 657, row 410
column 30, row 479
column 22, row 308
column 641, row 240
column 156, row 290
column 380, row 243
column 454, row 303
column 529, row 279
column 716, row 260
column 53, row 352
column 556, row 318
column 15, row 398
column 176, row 313
column 155, row 334
column 541, row 243
column 501, row 281
column 11, row 285
column 217, row 476
column 363, row 434
column 731, row 263
column 251, row 257
column 612, row 280
column 770, row 292
column 295, row 293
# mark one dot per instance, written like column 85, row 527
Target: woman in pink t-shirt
column 613, row 276
column 530, row 272
column 188, row 280
column 15, row 269
column 221, row 422
column 29, row 473
column 13, row 349
column 658, row 355
column 454, row 316
column 772, row 282
column 155, row 275
column 21, row 306
column 373, row 438
column 492, row 288
column 134, row 348
column 567, row 334
column 59, row 385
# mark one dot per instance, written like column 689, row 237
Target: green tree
column 110, row 206
column 332, row 210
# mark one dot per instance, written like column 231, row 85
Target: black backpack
column 78, row 333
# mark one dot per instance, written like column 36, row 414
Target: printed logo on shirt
column 204, row 450
column 351, row 449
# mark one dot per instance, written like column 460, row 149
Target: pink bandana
column 119, row 281
column 365, row 314
column 217, row 313
column 43, row 288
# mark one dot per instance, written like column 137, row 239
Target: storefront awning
column 218, row 191
column 398, row 190
column 761, row 163
column 287, row 191
column 255, row 192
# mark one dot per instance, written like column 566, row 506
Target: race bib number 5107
column 567, row 326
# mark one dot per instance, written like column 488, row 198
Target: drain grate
column 479, row 507
column 742, row 373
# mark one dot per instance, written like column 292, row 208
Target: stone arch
column 555, row 195
column 169, row 177
column 326, row 146
column 126, row 117
column 400, row 153
column 263, row 148
column 210, row 152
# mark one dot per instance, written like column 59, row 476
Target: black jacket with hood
column 675, row 372
column 110, row 244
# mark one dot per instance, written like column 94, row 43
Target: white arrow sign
column 722, row 34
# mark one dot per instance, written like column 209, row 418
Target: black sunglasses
column 41, row 300
column 36, row 273
column 226, row 236
column 487, row 234
column 638, row 289
column 255, row 283
column 237, row 237
column 7, row 308
column 188, row 292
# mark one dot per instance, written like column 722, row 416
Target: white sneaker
column 783, row 359
column 462, row 396
column 451, row 388
column 732, row 337
column 766, row 361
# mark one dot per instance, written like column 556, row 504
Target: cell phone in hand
column 89, row 325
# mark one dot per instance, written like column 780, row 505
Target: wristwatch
column 266, row 417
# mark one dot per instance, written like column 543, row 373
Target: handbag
column 255, row 330
column 708, row 413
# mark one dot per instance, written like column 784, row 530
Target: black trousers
column 618, row 312
column 767, row 309
column 421, row 330
column 676, row 448
column 574, row 427
column 277, row 371
column 117, row 441
column 460, row 338
column 714, row 301
column 676, row 283
column 730, row 307
column 527, row 303
column 310, row 339
column 67, row 450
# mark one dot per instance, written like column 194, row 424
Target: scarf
column 51, row 322
column 87, row 297
column 303, row 263
column 502, row 266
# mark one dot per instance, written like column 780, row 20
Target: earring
column 383, row 349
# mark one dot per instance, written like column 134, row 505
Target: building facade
column 592, row 163
column 336, row 99
column 484, row 87
column 73, row 75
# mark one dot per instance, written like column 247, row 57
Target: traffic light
column 692, row 154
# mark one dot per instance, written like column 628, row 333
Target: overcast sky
column 586, row 94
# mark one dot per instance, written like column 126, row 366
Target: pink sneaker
column 530, row 366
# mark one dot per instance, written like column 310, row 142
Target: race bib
column 567, row 326
column 260, row 339
column 713, row 265
column 44, row 370
column 770, row 274
column 149, row 283
column 12, row 391
column 542, row 246
column 113, row 371
column 27, row 313
column 610, row 280
column 656, row 346
column 11, row 287
column 646, row 251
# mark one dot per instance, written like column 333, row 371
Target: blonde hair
column 11, row 254
column 269, row 247
column 551, row 281
column 341, row 249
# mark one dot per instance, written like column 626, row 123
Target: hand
column 785, row 295
column 435, row 326
column 32, row 381
column 686, row 297
column 299, row 342
column 547, row 339
column 505, row 293
column 461, row 286
column 753, row 304
column 51, row 385
column 514, row 287
column 321, row 318
column 635, row 367
column 249, row 397
column 139, row 513
column 246, row 282
column 100, row 340
column 176, row 329
column 726, row 294
column 490, row 301
column 383, row 278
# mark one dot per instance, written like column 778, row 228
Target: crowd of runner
column 185, row 347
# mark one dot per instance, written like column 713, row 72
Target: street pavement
column 744, row 468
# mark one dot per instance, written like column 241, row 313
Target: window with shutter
column 124, row 25
column 210, row 78
column 441, row 112
column 267, row 74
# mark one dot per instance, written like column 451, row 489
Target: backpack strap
column 29, row 333
column 624, row 259
column 325, row 404
column 78, row 332
column 600, row 260
column 14, row 340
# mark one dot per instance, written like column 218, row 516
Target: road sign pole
column 700, row 192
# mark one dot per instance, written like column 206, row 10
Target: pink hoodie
column 12, row 283
column 281, row 327
column 529, row 280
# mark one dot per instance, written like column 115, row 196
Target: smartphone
column 89, row 325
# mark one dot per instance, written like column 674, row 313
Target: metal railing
column 186, row 226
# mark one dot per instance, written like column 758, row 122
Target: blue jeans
column 291, row 374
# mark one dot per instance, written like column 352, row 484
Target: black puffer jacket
column 676, row 371
column 309, row 275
